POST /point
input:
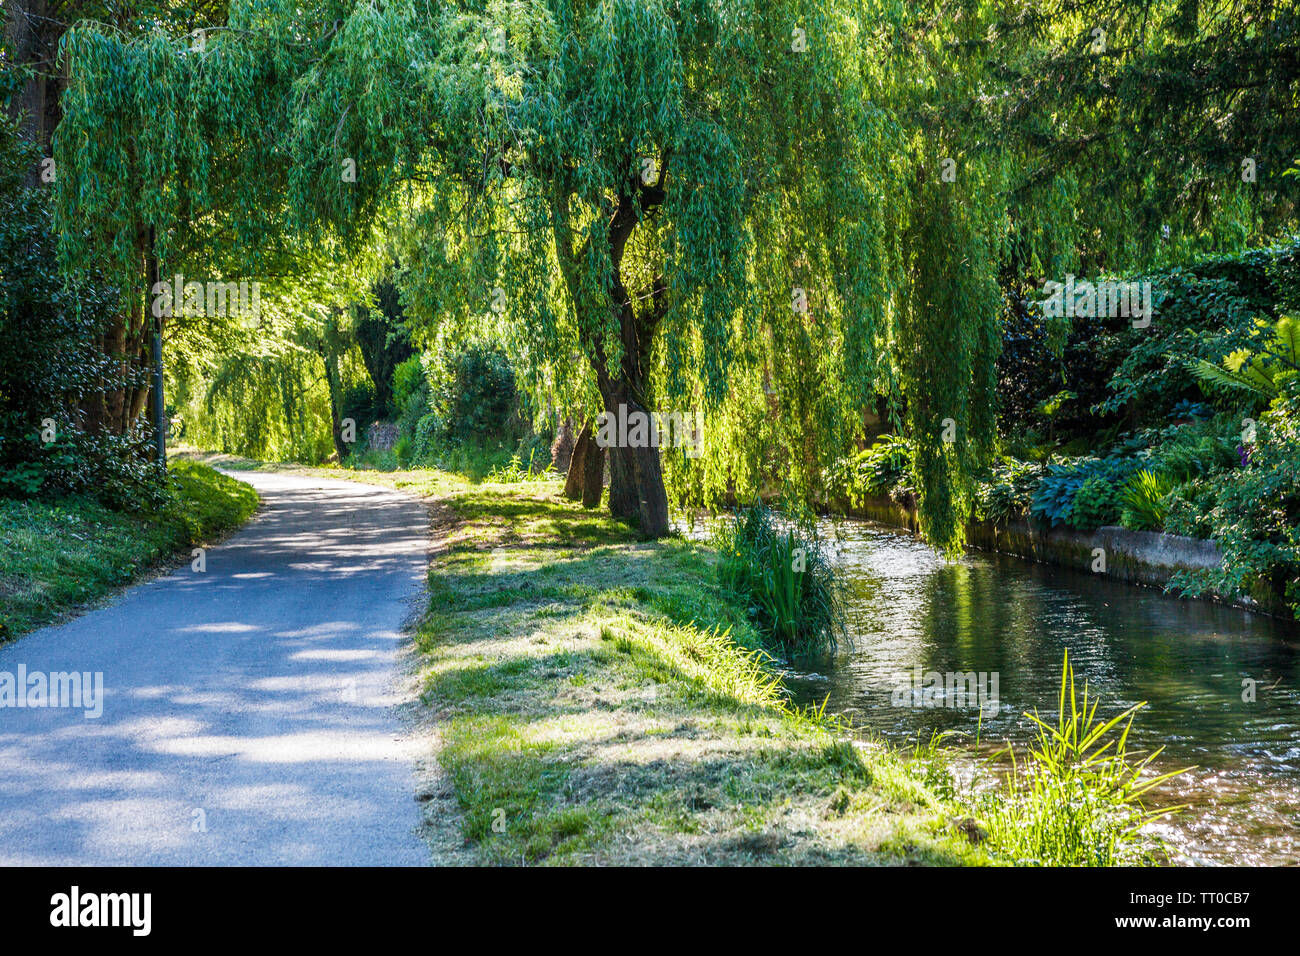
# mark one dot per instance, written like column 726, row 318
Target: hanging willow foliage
column 730, row 207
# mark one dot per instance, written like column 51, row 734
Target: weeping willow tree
column 273, row 389
column 676, row 206
column 672, row 207
column 169, row 173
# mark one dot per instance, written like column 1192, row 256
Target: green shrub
column 1054, row 499
column 1253, row 513
column 1076, row 797
column 1189, row 507
column 475, row 397
column 360, row 404
column 883, row 470
column 1143, row 499
column 1096, row 503
column 1194, row 456
column 785, row 575
column 1007, row 491
column 427, row 432
column 51, row 362
column 410, row 396
column 116, row 470
column 408, row 378
column 1200, row 317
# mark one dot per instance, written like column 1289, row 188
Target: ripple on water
column 1192, row 662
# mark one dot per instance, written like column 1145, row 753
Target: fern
column 1260, row 373
column 1225, row 377
column 1144, row 500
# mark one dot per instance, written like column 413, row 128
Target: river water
column 911, row 612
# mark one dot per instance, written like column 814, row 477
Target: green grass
column 600, row 699
column 472, row 461
column 56, row 555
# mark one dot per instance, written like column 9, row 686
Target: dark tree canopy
column 682, row 204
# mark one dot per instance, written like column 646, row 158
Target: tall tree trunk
column 636, row 488
column 330, row 356
column 624, row 501
column 33, row 37
column 636, row 479
column 576, row 477
column 593, row 474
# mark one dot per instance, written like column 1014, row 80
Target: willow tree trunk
column 636, row 480
column 575, row 477
column 336, row 423
column 593, row 475
column 585, row 480
column 329, row 348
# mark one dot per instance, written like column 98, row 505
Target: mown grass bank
column 601, row 700
column 56, row 555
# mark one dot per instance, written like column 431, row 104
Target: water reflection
column 1188, row 660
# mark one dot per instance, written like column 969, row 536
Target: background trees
column 785, row 213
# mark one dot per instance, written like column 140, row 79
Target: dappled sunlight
column 248, row 708
column 590, row 692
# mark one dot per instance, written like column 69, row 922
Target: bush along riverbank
column 61, row 553
column 1188, row 426
column 601, row 699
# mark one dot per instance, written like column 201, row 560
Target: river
column 1194, row 663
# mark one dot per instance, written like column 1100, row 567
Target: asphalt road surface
column 248, row 709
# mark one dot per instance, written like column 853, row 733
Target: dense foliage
column 475, row 398
column 1194, row 431
column 783, row 573
column 779, row 214
column 51, row 364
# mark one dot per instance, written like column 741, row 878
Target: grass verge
column 602, row 700
column 56, row 555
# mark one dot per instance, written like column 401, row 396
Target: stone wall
column 1147, row 558
column 382, row 436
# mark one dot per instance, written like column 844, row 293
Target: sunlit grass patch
column 609, row 703
column 58, row 554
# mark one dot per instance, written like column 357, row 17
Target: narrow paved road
column 248, row 713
